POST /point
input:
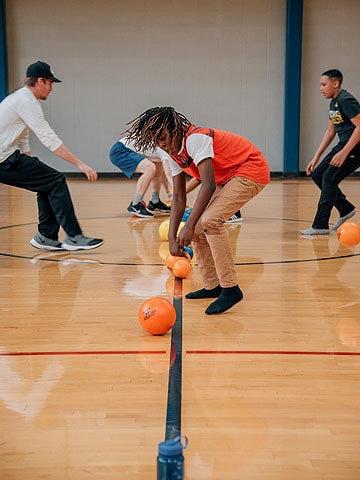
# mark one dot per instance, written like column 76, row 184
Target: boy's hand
column 338, row 159
column 311, row 166
column 176, row 250
column 185, row 236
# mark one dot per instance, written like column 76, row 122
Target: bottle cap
column 172, row 447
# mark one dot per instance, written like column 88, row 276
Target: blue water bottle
column 186, row 214
column 170, row 460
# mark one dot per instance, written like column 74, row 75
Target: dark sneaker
column 236, row 218
column 81, row 242
column 159, row 207
column 139, row 210
column 43, row 243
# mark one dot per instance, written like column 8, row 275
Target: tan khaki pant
column 210, row 242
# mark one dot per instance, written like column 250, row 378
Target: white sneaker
column 236, row 218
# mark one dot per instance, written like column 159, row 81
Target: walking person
column 231, row 171
column 21, row 112
column 341, row 161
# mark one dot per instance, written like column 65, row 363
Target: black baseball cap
column 41, row 70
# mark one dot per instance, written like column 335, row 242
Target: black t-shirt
column 342, row 109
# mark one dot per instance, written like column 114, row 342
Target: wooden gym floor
column 269, row 390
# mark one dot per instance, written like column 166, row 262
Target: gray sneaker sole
column 73, row 248
column 315, row 231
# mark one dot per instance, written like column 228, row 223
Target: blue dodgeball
column 189, row 250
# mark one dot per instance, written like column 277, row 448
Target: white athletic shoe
column 236, row 218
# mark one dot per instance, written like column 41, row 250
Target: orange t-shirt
column 234, row 156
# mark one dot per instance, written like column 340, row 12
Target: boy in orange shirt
column 231, row 171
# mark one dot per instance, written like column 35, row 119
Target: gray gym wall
column 221, row 63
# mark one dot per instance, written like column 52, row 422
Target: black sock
column 228, row 298
column 203, row 293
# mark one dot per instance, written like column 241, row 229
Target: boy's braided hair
column 146, row 129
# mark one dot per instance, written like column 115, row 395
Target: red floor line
column 89, row 352
column 266, row 352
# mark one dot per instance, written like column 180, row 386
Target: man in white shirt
column 21, row 112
